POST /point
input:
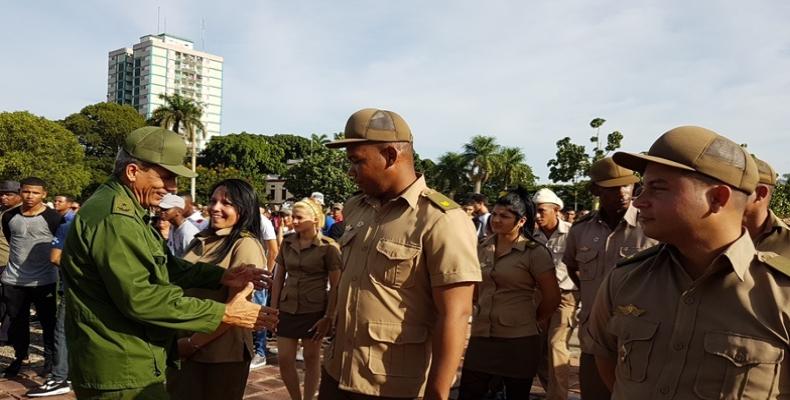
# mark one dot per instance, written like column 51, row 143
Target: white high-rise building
column 166, row 64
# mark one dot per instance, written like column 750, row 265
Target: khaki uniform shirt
column 593, row 249
column 775, row 238
column 231, row 346
column 393, row 254
column 505, row 300
column 308, row 269
column 725, row 335
column 556, row 244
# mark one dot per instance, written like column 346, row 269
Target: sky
column 526, row 72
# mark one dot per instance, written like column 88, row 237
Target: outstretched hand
column 240, row 276
column 242, row 313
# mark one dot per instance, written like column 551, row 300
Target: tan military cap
column 373, row 125
column 605, row 173
column 767, row 173
column 693, row 148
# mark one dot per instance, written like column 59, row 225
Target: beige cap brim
column 621, row 181
column 638, row 162
column 344, row 142
column 179, row 170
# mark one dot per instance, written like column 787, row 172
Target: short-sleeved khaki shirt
column 505, row 299
column 775, row 238
column 308, row 272
column 725, row 335
column 593, row 249
column 556, row 244
column 394, row 253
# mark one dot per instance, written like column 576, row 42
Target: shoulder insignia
column 124, row 206
column 640, row 256
column 531, row 243
column 440, row 200
column 327, row 239
column 246, row 234
column 777, row 262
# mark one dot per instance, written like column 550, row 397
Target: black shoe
column 13, row 369
column 46, row 369
column 50, row 388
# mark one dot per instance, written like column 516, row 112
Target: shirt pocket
column 587, row 262
column 395, row 267
column 634, row 344
column 398, row 350
column 737, row 367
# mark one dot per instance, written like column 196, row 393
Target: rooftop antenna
column 158, row 31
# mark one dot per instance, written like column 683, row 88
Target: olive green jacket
column 122, row 311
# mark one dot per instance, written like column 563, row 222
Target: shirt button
column 689, row 300
column 679, row 346
column 663, row 390
column 353, row 279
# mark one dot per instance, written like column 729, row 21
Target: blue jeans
column 260, row 297
column 60, row 366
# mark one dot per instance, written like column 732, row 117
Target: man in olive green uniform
column 768, row 232
column 594, row 245
column 704, row 315
column 409, row 269
column 122, row 309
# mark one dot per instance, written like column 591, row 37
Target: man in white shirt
column 552, row 231
column 269, row 241
column 193, row 215
column 181, row 230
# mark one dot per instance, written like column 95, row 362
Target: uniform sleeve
column 450, row 249
column 569, row 256
column 248, row 251
column 198, row 275
column 332, row 257
column 603, row 344
column 125, row 263
column 540, row 261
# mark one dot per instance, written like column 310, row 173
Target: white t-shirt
column 180, row 237
column 267, row 230
column 198, row 220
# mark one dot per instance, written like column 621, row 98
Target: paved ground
column 263, row 384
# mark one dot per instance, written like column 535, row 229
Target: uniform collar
column 118, row 186
column 740, row 254
column 775, row 224
column 411, row 195
column 208, row 233
column 293, row 240
column 520, row 244
column 562, row 228
column 631, row 215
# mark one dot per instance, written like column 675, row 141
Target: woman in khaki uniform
column 505, row 329
column 216, row 365
column 306, row 263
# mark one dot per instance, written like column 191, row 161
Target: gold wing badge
column 630, row 309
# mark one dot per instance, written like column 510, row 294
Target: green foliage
column 208, row 177
column 449, row 175
column 294, row 147
column 36, row 146
column 324, row 171
column 101, row 129
column 480, row 153
column 249, row 153
column 571, row 162
column 597, row 122
column 180, row 114
column 780, row 201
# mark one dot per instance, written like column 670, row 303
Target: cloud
column 528, row 73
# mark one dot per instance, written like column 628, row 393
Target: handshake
column 241, row 312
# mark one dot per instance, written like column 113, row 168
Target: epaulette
column 440, row 200
column 327, row 239
column 777, row 262
column 123, row 205
column 531, row 243
column 640, row 256
column 246, row 234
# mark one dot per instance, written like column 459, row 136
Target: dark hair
column 478, row 198
column 245, row 201
column 519, row 202
column 68, row 198
column 33, row 181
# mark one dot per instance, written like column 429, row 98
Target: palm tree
column 450, row 171
column 319, row 140
column 507, row 163
column 181, row 115
column 480, row 153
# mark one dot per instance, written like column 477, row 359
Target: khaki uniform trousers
column 555, row 367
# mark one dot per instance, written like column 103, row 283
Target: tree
column 101, row 129
column 319, row 140
column 450, row 174
column 293, row 147
column 249, row 153
column 325, row 171
column 208, row 177
column 570, row 164
column 480, row 153
column 181, row 115
column 510, row 169
column 35, row 146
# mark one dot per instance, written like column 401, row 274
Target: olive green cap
column 373, row 125
column 693, row 148
column 605, row 173
column 159, row 146
column 767, row 173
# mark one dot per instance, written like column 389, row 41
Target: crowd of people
column 678, row 283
